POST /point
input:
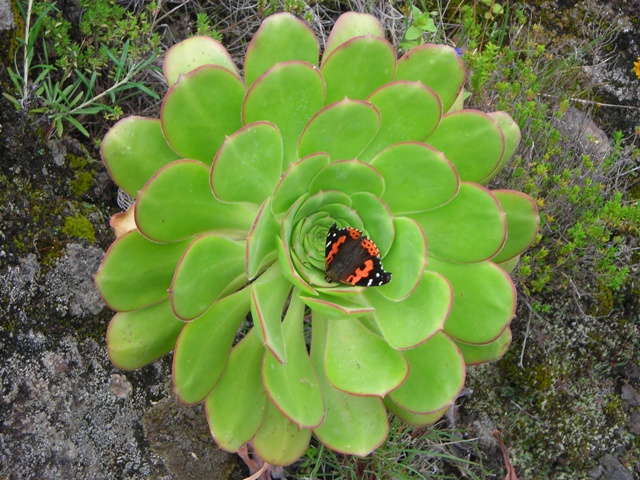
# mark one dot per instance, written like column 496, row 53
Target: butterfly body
column 352, row 258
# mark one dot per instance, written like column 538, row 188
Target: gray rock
column 65, row 410
column 70, row 283
column 613, row 469
column 630, row 370
column 634, row 423
column 180, row 435
column 64, row 415
column 18, row 283
column 6, row 16
column 581, row 128
column 630, row 396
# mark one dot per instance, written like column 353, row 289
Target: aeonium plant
column 314, row 241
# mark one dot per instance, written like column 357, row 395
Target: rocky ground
column 66, row 412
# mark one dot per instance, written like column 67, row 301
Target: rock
column 613, row 469
column 61, row 417
column 66, row 412
column 630, row 396
column 6, row 16
column 634, row 423
column 630, row 371
column 119, row 386
column 581, row 128
column 70, row 284
column 18, row 283
column 180, row 435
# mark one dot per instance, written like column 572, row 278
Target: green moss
column 81, row 184
column 613, row 408
column 604, row 303
column 83, row 175
column 76, row 162
column 19, row 30
column 556, row 403
column 79, row 227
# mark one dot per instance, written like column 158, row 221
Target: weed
column 63, row 81
column 408, row 453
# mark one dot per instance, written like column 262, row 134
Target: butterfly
column 352, row 258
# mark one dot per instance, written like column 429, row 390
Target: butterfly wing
column 369, row 274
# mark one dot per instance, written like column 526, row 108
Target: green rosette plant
column 221, row 258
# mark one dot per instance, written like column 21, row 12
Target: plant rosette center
column 315, row 242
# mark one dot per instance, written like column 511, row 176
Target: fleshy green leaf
column 477, row 152
column 336, row 307
column 279, row 441
column 262, row 240
column 133, row 150
column 438, row 67
column 522, row 223
column 181, row 187
column 436, row 376
column 203, row 347
column 376, row 218
column 361, row 363
column 412, row 321
column 355, row 177
column 470, row 228
column 195, row 52
column 290, row 271
column 200, row 109
column 484, row 300
column 142, row 336
column 300, row 275
column 209, row 264
column 287, row 95
column 410, row 111
column 342, row 129
column 358, row 67
column 294, row 386
column 236, row 406
column 509, row 265
column 416, row 176
column 475, row 354
column 269, row 297
column 350, row 25
column 411, row 418
column 511, row 132
column 353, row 425
column 281, row 37
column 248, row 165
column 405, row 260
column 136, row 272
column 295, row 181
column 319, row 200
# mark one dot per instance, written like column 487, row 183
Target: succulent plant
column 222, row 256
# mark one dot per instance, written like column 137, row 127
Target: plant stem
column 25, row 72
column 126, row 78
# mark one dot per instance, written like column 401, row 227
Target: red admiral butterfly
column 353, row 258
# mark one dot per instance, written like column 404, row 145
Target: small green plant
column 584, row 264
column 61, row 80
column 407, row 453
column 421, row 23
column 295, row 7
column 204, row 27
column 585, row 220
column 254, row 195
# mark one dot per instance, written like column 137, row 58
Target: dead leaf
column 511, row 472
